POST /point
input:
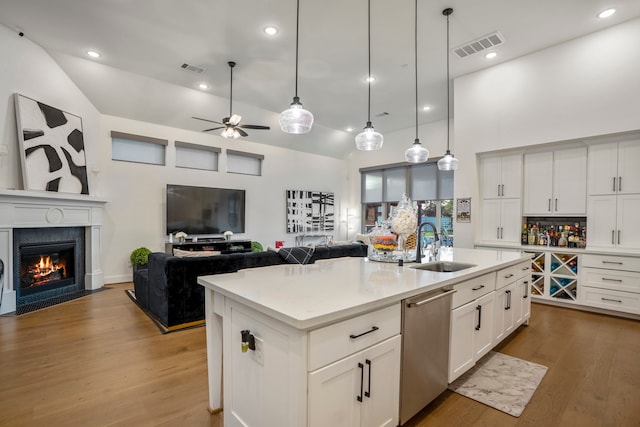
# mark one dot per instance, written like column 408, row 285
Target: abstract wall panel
column 309, row 211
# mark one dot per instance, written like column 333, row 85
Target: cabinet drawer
column 333, row 342
column 611, row 262
column 610, row 279
column 612, row 300
column 472, row 289
column 523, row 270
column 506, row 276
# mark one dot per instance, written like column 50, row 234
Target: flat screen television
column 204, row 210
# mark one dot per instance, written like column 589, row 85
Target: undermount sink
column 443, row 266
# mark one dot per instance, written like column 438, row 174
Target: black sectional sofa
column 168, row 289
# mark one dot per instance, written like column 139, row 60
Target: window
column 138, row 149
column 195, row 156
column 244, row 163
column 430, row 188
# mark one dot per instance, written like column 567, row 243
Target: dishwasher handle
column 424, row 301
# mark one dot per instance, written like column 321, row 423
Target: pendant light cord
column 415, row 45
column 448, row 90
column 369, row 53
column 297, row 32
column 231, row 65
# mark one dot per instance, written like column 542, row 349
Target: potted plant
column 139, row 258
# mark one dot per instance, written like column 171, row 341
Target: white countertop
column 313, row 295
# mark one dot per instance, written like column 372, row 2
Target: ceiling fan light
column 448, row 162
column 369, row 139
column 230, row 133
column 296, row 119
column 416, row 153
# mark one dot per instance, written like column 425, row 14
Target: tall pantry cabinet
column 500, row 187
column 614, row 195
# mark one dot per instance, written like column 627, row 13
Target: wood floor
column 99, row 361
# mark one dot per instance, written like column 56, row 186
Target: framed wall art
column 309, row 211
column 52, row 148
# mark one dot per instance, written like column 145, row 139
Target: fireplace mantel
column 36, row 209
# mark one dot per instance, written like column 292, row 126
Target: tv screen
column 204, row 210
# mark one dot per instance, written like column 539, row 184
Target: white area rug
column 503, row 382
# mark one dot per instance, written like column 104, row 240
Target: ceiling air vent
column 192, row 68
column 478, row 45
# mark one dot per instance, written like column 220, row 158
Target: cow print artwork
column 52, row 146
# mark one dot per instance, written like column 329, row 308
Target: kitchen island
column 312, row 328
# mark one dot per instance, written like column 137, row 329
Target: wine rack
column 554, row 276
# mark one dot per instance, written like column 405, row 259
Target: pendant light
column 448, row 162
column 369, row 139
column 417, row 153
column 296, row 119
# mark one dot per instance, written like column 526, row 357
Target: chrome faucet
column 434, row 251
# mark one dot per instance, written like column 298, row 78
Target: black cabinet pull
column 373, row 329
column 368, row 392
column 478, row 288
column 526, row 290
column 479, row 325
column 361, row 366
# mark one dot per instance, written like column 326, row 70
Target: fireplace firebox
column 50, row 262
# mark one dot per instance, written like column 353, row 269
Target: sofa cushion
column 194, row 254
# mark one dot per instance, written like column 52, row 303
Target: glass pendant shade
column 296, row 119
column 448, row 162
column 230, row 133
column 417, row 153
column 369, row 139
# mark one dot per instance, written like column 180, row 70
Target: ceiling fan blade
column 209, row 130
column 206, row 120
column 241, row 132
column 235, row 119
column 254, row 127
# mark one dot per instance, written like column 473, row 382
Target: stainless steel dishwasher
column 426, row 320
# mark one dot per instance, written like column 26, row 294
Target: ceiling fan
column 231, row 124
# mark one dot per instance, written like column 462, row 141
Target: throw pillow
column 297, row 255
column 193, row 254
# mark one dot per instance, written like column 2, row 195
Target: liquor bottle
column 525, row 235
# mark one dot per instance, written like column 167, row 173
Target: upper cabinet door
column 628, row 167
column 511, row 176
column 491, row 177
column 603, row 169
column 538, row 183
column 570, row 181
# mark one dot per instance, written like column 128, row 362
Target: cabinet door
column 538, row 183
column 511, row 176
column 510, row 221
column 464, row 320
column 570, row 181
column 603, row 169
column 483, row 331
column 601, row 221
column 381, row 404
column 491, row 177
column 628, row 224
column 491, row 220
column 628, row 170
column 521, row 303
column 503, row 314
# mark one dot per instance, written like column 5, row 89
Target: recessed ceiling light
column 491, row 55
column 426, row 108
column 271, row 31
column 203, row 86
column 93, row 54
column 606, row 13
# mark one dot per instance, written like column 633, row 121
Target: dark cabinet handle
column 619, row 183
column 373, row 329
column 479, row 325
column 478, row 288
column 614, row 183
column 526, row 290
column 361, row 366
column 368, row 392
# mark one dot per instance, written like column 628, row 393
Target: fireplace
column 50, row 263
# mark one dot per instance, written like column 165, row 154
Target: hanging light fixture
column 417, row 153
column 448, row 162
column 296, row 119
column 369, row 139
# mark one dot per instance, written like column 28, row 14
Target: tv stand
column 224, row 246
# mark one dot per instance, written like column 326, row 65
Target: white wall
column 586, row 87
column 135, row 213
column 27, row 69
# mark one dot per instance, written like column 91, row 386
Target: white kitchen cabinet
column 513, row 305
column 501, row 176
column 358, row 390
column 612, row 221
column 613, row 168
column 501, row 220
column 471, row 334
column 555, row 182
column 611, row 282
